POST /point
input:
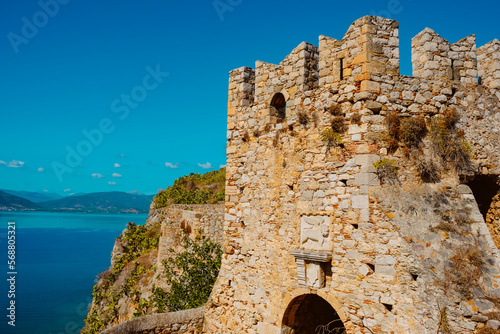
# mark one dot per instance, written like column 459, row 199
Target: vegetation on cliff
column 190, row 275
column 137, row 243
column 194, row 189
column 136, row 284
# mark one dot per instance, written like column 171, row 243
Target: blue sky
column 129, row 95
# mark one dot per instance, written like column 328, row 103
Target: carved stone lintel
column 311, row 255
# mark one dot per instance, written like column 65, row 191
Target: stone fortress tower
column 313, row 243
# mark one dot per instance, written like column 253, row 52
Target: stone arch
column 311, row 313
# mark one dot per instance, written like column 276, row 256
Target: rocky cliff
column 135, row 283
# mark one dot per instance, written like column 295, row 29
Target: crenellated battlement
column 434, row 57
column 368, row 52
column 489, row 64
column 368, row 55
column 367, row 58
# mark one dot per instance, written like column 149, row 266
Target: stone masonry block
column 370, row 179
column 360, row 202
column 366, row 162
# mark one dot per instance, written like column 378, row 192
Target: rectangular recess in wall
column 341, row 68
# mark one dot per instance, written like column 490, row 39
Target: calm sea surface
column 58, row 256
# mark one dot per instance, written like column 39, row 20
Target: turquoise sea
column 58, row 256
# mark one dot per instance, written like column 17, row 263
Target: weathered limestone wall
column 303, row 217
column 493, row 219
column 434, row 57
column 181, row 322
column 489, row 64
column 174, row 219
column 191, row 218
column 368, row 52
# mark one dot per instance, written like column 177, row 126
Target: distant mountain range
column 101, row 202
column 33, row 196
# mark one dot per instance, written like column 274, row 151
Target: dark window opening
column 341, row 68
column 414, row 276
column 484, row 188
column 278, row 106
column 355, row 226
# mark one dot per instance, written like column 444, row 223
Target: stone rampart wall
column 181, row 322
column 306, row 214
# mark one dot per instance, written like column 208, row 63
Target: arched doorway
column 311, row 314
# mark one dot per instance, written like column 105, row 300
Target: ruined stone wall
column 493, row 219
column 489, row 64
column 433, row 57
column 191, row 218
column 181, row 322
column 305, row 216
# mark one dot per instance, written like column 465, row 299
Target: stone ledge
column 156, row 321
column 311, row 255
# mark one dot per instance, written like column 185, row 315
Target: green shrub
column 330, row 137
column 190, row 275
column 194, row 189
column 136, row 241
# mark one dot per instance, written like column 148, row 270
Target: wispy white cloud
column 117, row 165
column 97, row 176
column 116, row 175
column 41, row 169
column 222, row 166
column 112, row 183
column 171, row 165
column 67, row 190
column 13, row 163
column 205, row 166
